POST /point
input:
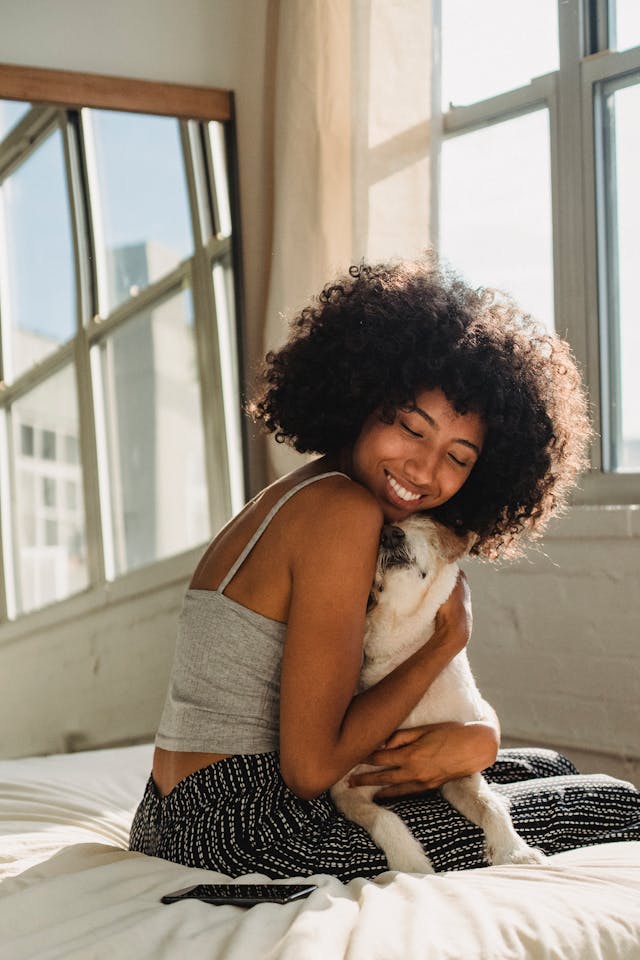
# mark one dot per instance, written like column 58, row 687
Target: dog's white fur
column 413, row 578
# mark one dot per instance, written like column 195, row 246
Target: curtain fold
column 351, row 147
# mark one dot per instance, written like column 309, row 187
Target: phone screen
column 242, row 894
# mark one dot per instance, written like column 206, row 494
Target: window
column 620, row 159
column 149, row 388
column 494, row 46
column 624, row 24
column 537, row 191
column 11, row 112
column 38, row 294
column 120, row 439
column 26, row 435
column 140, row 201
column 39, row 549
column 496, row 203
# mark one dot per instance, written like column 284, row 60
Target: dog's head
column 411, row 555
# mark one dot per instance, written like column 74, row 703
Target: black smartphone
column 242, row 894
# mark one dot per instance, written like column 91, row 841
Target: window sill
column 604, row 522
column 154, row 578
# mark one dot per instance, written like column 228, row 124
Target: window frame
column 582, row 299
column 58, row 98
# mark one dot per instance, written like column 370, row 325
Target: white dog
column 415, row 573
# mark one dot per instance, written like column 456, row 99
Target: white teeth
column 400, row 491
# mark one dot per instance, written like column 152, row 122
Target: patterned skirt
column 238, row 816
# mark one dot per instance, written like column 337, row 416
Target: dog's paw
column 409, row 861
column 522, row 853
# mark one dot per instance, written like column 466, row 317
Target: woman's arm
column 324, row 729
column 423, row 758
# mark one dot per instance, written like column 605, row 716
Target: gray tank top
column 224, row 689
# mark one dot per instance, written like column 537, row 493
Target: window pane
column 26, row 440
column 495, row 219
column 157, row 492
column 39, row 299
column 49, row 491
column 50, row 532
column 493, row 46
column 625, row 337
column 624, row 24
column 141, row 212
column 11, row 111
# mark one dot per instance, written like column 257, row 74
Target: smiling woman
column 420, row 459
column 391, row 332
column 419, row 394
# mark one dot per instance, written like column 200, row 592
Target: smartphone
column 242, row 894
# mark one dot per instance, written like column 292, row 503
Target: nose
column 391, row 536
column 422, row 470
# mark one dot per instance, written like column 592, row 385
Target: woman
column 419, row 394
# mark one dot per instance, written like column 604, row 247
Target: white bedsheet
column 71, row 890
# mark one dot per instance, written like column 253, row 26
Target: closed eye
column 460, row 463
column 407, row 428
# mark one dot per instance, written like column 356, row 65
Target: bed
column 70, row 889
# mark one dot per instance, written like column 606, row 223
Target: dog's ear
column 453, row 546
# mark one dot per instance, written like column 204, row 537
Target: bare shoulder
column 338, row 500
column 338, row 517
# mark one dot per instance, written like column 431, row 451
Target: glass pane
column 624, row 24
column 50, row 528
column 38, row 295
column 495, row 219
column 141, row 211
column 157, row 490
column 495, row 46
column 11, row 111
column 626, row 217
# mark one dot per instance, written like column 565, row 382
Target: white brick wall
column 556, row 644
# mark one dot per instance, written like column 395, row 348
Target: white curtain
column 351, row 146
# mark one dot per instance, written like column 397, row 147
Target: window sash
column 571, row 95
column 185, row 103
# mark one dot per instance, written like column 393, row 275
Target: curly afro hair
column 379, row 335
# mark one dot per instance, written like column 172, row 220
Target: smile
column 401, row 491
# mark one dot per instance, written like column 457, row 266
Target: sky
column 143, row 198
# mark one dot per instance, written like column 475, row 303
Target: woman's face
column 421, row 459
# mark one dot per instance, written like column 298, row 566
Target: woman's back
column 223, row 696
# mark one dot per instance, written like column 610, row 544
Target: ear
column 453, row 546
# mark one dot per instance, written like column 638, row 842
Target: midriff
column 170, row 766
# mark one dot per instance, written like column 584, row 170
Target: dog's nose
column 391, row 536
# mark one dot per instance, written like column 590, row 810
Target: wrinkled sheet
column 71, row 890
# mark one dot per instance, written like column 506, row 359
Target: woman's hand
column 454, row 619
column 423, row 758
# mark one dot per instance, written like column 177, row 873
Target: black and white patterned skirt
column 238, row 816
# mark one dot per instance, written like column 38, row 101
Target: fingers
column 385, row 755
column 403, row 737
column 454, row 619
column 401, row 790
column 393, row 783
column 386, row 758
column 375, row 778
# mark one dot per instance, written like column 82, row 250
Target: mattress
column 69, row 888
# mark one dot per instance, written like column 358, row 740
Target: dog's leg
column 386, row 829
column 474, row 799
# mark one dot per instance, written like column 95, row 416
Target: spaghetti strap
column 226, row 580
